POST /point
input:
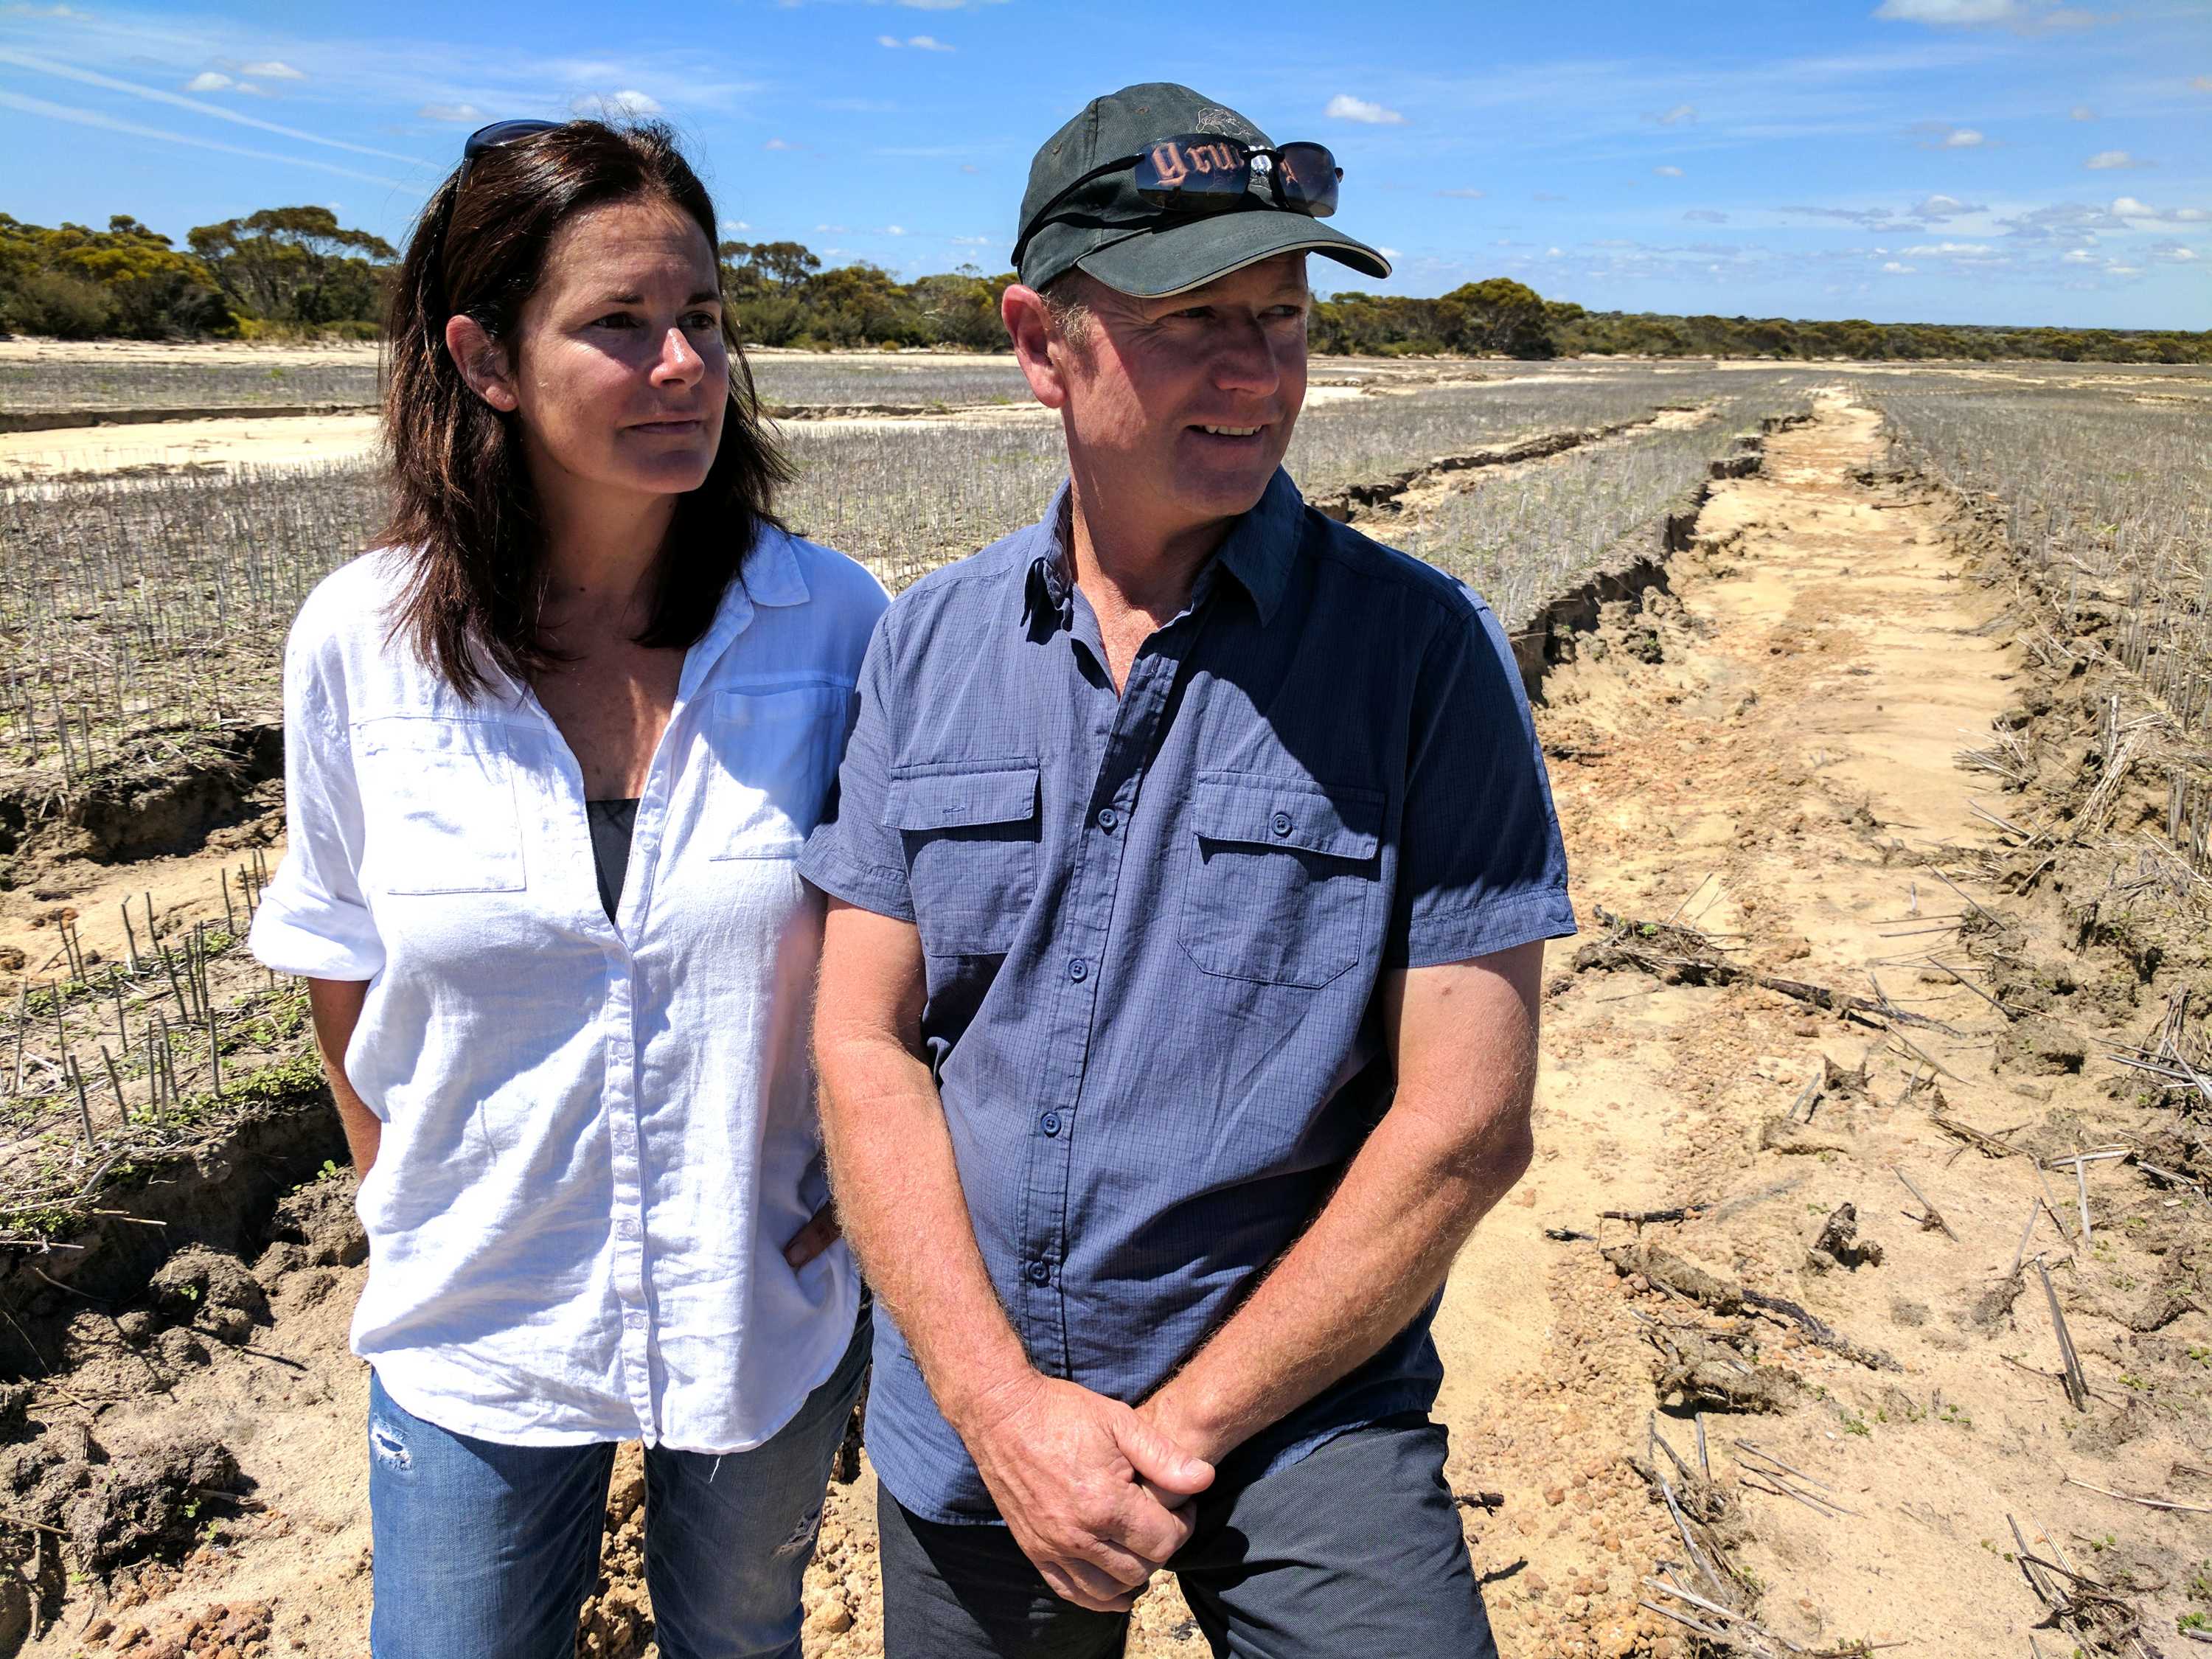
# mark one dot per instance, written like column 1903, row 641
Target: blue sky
column 1949, row 161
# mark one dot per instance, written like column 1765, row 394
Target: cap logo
column 1214, row 119
column 1176, row 162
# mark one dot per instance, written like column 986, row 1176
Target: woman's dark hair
column 463, row 504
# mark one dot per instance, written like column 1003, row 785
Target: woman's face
column 617, row 366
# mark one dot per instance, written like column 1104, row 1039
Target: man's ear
column 1029, row 325
column 482, row 362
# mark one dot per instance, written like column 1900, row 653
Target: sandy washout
column 1758, row 770
column 232, row 442
column 269, row 441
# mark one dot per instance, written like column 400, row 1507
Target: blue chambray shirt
column 1155, row 924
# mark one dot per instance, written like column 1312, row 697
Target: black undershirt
column 611, row 823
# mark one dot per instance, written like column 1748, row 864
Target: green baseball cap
column 1101, row 223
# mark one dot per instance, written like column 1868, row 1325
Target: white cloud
column 2105, row 160
column 21, row 10
column 926, row 43
column 1668, row 172
column 1897, row 270
column 210, row 80
column 2025, row 17
column 1949, row 11
column 2174, row 255
column 1550, row 253
column 2127, row 207
column 779, row 143
column 630, row 102
column 2189, row 216
column 2079, row 255
column 1465, row 195
column 273, row 69
column 1705, row 217
column 974, row 241
column 1344, row 107
column 449, row 113
column 2122, row 270
column 1674, row 116
column 2202, row 83
column 1949, row 251
column 890, row 40
column 1962, row 138
column 894, row 230
column 2082, row 112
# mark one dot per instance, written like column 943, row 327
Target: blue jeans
column 485, row 1551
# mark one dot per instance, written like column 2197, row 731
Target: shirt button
column 1079, row 970
column 1281, row 824
column 1049, row 1123
column 1107, row 818
column 1040, row 1273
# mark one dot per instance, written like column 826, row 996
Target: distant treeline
column 297, row 270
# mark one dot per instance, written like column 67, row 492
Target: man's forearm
column 899, row 1197
column 1378, row 1252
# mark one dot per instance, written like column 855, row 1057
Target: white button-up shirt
column 598, row 1136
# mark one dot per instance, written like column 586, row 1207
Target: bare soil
column 1757, row 768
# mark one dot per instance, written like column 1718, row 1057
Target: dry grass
column 2104, row 495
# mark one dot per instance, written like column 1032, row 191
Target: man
column 1177, row 1022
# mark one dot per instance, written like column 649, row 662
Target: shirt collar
column 769, row 575
column 1258, row 551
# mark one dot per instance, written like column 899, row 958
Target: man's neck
column 1127, row 568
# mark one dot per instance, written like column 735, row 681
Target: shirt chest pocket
column 1282, row 878
column 438, row 807
column 770, row 754
column 971, row 840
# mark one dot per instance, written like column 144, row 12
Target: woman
column 550, row 758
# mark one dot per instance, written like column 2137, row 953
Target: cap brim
column 1176, row 258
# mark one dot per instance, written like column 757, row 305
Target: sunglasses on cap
column 1207, row 173
column 493, row 136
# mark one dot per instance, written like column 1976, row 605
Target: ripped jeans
column 485, row 1551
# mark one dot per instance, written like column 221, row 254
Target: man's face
column 1180, row 408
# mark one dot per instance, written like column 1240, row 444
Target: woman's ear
column 482, row 362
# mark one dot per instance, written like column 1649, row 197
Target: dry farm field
column 1860, row 1299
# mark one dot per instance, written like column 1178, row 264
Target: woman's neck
column 601, row 553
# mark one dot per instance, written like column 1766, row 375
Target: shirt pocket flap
column 955, row 801
column 1335, row 821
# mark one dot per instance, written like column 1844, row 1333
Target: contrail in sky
column 198, row 107
column 87, row 118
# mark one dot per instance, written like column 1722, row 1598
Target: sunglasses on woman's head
column 1205, row 173
column 493, row 136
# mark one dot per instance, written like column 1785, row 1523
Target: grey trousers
column 1355, row 1550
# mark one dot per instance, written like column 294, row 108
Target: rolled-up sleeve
column 851, row 854
column 1481, row 867
column 314, row 920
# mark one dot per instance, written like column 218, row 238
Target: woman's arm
column 336, row 1005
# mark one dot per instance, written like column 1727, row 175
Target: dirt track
column 1772, row 779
